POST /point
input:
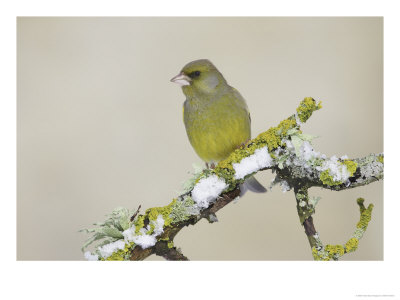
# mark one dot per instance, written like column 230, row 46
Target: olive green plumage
column 216, row 116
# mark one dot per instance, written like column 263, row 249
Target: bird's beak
column 181, row 79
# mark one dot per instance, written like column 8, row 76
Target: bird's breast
column 215, row 128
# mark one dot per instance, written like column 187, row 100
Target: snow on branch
column 284, row 149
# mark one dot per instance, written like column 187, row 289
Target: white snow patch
column 108, row 249
column 337, row 170
column 129, row 234
column 159, row 225
column 289, row 144
column 308, row 152
column 207, row 190
column 90, row 256
column 248, row 165
column 145, row 240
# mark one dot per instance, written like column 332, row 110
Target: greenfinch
column 216, row 116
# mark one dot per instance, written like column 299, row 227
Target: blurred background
column 99, row 126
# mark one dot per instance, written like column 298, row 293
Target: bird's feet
column 242, row 145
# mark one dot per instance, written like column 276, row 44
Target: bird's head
column 200, row 77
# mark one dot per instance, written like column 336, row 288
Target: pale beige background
column 100, row 125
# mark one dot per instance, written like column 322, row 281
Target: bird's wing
column 241, row 102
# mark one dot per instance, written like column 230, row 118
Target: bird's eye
column 194, row 74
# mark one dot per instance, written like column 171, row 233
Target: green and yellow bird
column 216, row 116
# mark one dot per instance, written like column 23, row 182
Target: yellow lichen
column 306, row 108
column 270, row 138
column 165, row 211
column 351, row 245
column 334, row 250
column 328, row 252
column 380, row 159
column 351, row 166
column 120, row 254
column 273, row 136
column 316, row 254
column 327, row 179
column 285, row 126
column 152, row 214
column 365, row 214
column 139, row 223
column 320, row 255
column 365, row 217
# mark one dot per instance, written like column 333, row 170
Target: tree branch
column 162, row 249
column 334, row 252
column 169, row 234
column 284, row 149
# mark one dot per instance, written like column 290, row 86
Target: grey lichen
column 110, row 230
column 314, row 201
column 371, row 166
column 183, row 208
column 304, row 208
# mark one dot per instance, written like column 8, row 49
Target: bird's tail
column 253, row 185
